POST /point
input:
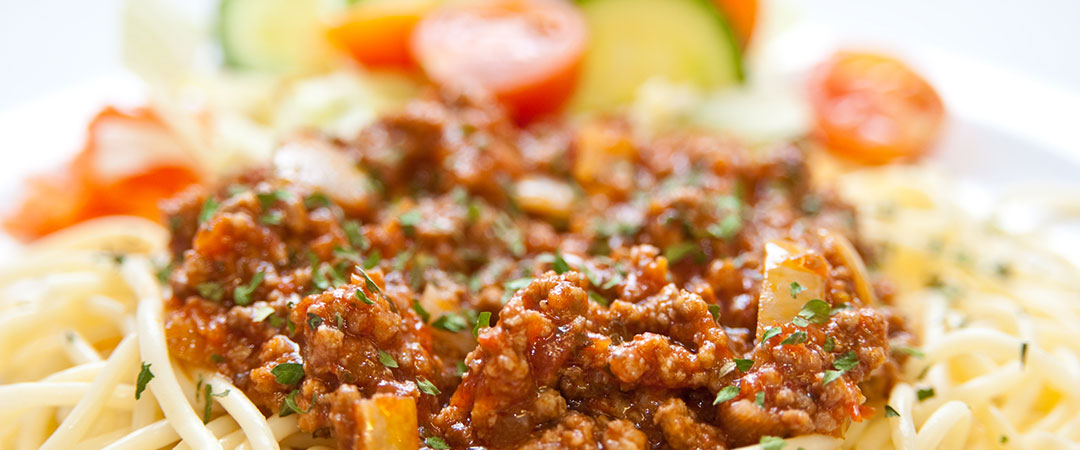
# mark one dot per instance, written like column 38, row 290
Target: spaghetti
column 997, row 367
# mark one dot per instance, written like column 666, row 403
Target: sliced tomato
column 377, row 33
column 131, row 160
column 874, row 109
column 742, row 14
column 526, row 52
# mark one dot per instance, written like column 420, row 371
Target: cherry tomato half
column 525, row 52
column 874, row 109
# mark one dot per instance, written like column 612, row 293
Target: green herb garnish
column 313, row 321
column 795, row 338
column 769, row 334
column 288, row 373
column 772, row 443
column 816, row 311
column 242, row 294
column 426, row 387
column 145, row 375
column 483, row 320
column 208, row 208
column 420, row 311
column 210, row 291
column 725, row 394
column 450, row 322
column 560, row 264
column 387, row 360
column 436, row 443
column 360, row 295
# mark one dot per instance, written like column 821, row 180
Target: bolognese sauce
column 558, row 286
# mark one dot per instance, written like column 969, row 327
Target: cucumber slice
column 283, row 36
column 632, row 41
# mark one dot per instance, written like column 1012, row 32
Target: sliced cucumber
column 274, row 35
column 632, row 41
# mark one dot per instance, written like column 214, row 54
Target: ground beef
column 615, row 320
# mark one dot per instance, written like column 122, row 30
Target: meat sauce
column 622, row 274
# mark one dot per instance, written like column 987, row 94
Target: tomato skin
column 480, row 45
column 81, row 189
column 742, row 15
column 874, row 109
column 377, row 34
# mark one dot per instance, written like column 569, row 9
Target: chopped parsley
column 242, row 294
column 796, row 289
column 890, row 412
column 210, row 291
column 483, row 320
column 208, row 404
column 420, row 311
column 816, row 311
column 289, row 407
column 267, row 199
column 314, row 321
column 340, row 321
column 744, row 364
column 770, row 333
column 560, row 264
column 436, row 443
column 410, row 219
column 512, row 286
column 596, row 297
column 847, row 361
column 508, row 232
column 145, row 375
column 355, row 235
column 450, row 322
column 360, row 295
column 387, row 359
column 163, row 273
column 830, row 344
column 372, row 259
column 839, row 307
column 209, row 207
column 370, row 283
column 316, row 200
column 715, row 311
column 844, row 363
column 216, row 358
column 288, row 373
column 924, row 393
column 426, row 387
column 271, row 218
column 726, row 228
column 772, row 443
column 1023, row 353
column 675, row 253
column 1004, row 439
column 910, row 351
column 725, row 394
column 795, row 338
column 759, row 399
